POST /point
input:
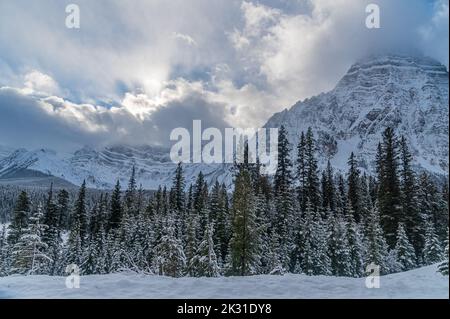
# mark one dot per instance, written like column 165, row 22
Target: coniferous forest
column 301, row 220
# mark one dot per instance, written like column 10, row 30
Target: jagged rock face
column 409, row 94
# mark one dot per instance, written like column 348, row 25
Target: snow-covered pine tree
column 191, row 238
column 443, row 267
column 328, row 188
column 314, row 259
column 95, row 255
column 178, row 198
column 355, row 242
column 404, row 250
column 389, row 196
column 29, row 251
column 222, row 225
column 51, row 236
column 200, row 203
column 79, row 216
column 178, row 186
column 62, row 207
column 19, row 221
column 376, row 246
column 284, row 202
column 116, row 212
column 5, row 260
column 432, row 252
column 74, row 252
column 365, row 199
column 353, row 182
column 301, row 171
column 312, row 175
column 339, row 248
column 410, row 213
column 131, row 193
column 245, row 255
column 204, row 263
column 341, row 196
column 274, row 265
column 169, row 259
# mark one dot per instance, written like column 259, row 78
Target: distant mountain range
column 407, row 93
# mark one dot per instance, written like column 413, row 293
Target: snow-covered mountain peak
column 409, row 94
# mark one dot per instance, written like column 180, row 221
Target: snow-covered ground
column 419, row 283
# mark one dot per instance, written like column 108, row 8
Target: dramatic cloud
column 134, row 72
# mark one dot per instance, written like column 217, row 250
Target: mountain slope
column 409, row 94
column 101, row 168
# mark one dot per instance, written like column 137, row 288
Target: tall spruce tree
column 79, row 218
column 63, row 211
column 389, row 195
column 116, row 213
column 443, row 267
column 354, row 192
column 404, row 250
column 410, row 213
column 29, row 251
column 377, row 249
column 339, row 247
column 244, row 252
column 312, row 176
column 283, row 197
column 204, row 263
column 432, row 252
column 355, row 242
column 169, row 259
column 19, row 220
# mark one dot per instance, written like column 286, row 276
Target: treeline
column 302, row 221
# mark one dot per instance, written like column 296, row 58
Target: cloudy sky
column 136, row 69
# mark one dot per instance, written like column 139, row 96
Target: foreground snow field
column 420, row 283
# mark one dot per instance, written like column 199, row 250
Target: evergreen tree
column 355, row 243
column 302, row 171
column 389, row 195
column 178, row 188
column 328, row 188
column 29, row 251
column 79, row 219
column 115, row 217
column 274, row 265
column 169, row 255
column 283, row 197
column 74, row 253
column 19, row 220
column 51, row 236
column 130, row 194
column 244, row 252
column 432, row 252
column 405, row 251
column 204, row 263
column 5, row 261
column 410, row 213
column 62, row 207
column 443, row 267
column 353, row 187
column 341, row 196
column 339, row 248
column 314, row 259
column 376, row 251
column 312, row 177
column 191, row 239
column 221, row 218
